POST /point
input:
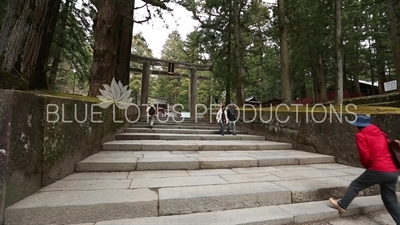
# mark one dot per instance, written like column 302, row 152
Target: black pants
column 233, row 125
column 387, row 183
column 222, row 124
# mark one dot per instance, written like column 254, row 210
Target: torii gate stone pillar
column 144, row 97
column 193, row 91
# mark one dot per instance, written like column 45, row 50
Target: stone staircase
column 187, row 173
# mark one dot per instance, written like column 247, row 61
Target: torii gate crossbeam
column 147, row 62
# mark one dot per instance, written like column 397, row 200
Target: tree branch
column 141, row 6
column 148, row 17
column 157, row 3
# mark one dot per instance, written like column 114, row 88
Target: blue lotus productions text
column 282, row 113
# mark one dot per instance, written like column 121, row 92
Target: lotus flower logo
column 115, row 94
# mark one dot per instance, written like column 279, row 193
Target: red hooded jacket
column 373, row 150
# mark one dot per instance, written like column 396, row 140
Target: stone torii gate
column 146, row 71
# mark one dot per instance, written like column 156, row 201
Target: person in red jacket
column 375, row 157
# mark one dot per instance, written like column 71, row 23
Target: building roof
column 158, row 100
column 273, row 100
column 366, row 82
column 252, row 99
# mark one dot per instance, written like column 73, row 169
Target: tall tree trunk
column 356, row 83
column 111, row 44
column 339, row 60
column 229, row 64
column 303, row 90
column 321, row 79
column 345, row 72
column 60, row 45
column 24, row 39
column 380, row 64
column 228, row 76
column 394, row 40
column 228, row 90
column 313, row 70
column 285, row 75
column 316, row 97
column 125, row 21
column 238, row 56
column 371, row 67
column 136, row 96
column 3, row 12
column 105, row 46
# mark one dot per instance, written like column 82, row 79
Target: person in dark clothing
column 151, row 111
column 232, row 119
column 222, row 118
column 375, row 157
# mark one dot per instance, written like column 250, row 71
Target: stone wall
column 330, row 135
column 42, row 148
column 384, row 99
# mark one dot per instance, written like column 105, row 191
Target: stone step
column 301, row 213
column 186, row 119
column 178, row 126
column 177, row 131
column 74, row 207
column 185, row 123
column 171, row 122
column 93, row 197
column 168, row 136
column 114, row 161
column 193, row 145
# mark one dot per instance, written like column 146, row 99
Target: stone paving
column 112, row 161
column 144, row 180
column 374, row 218
column 193, row 145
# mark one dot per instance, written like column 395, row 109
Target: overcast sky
column 156, row 33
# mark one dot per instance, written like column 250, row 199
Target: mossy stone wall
column 40, row 150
